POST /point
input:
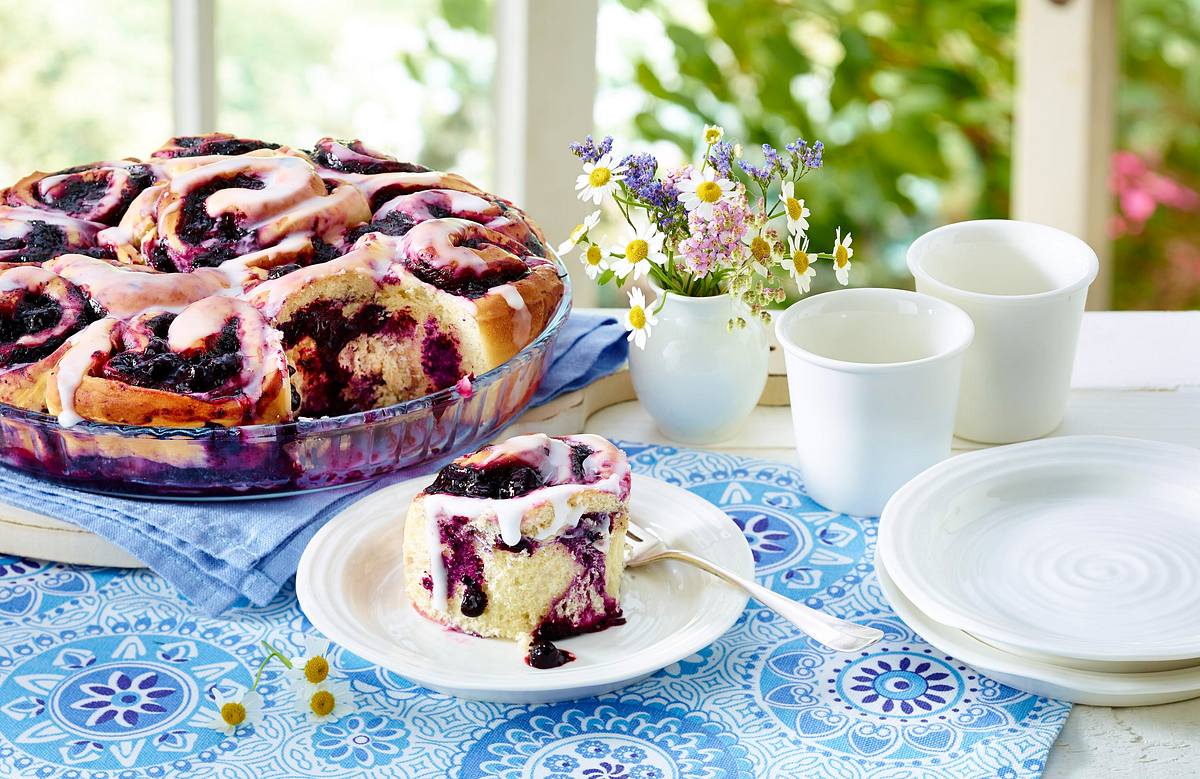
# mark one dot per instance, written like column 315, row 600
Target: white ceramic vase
column 698, row 380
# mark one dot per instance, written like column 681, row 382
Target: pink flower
column 1140, row 191
column 717, row 241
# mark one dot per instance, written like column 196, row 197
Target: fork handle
column 835, row 633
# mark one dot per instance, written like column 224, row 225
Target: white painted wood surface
column 193, row 66
column 545, row 88
column 1064, row 122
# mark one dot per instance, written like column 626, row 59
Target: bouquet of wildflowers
column 703, row 230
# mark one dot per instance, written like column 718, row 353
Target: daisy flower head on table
column 640, row 318
column 797, row 213
column 645, row 247
column 326, row 702
column 797, row 263
column 594, row 261
column 311, row 668
column 598, row 179
column 841, row 257
column 579, row 233
column 234, row 711
column 702, row 190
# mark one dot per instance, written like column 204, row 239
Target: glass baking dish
column 260, row 460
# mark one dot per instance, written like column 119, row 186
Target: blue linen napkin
column 219, row 552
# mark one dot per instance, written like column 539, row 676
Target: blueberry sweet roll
column 398, row 215
column 39, row 311
column 238, row 205
column 34, row 235
column 216, row 362
column 124, row 291
column 99, row 192
column 522, row 538
column 209, row 144
column 356, row 157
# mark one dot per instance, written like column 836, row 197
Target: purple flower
column 772, row 158
column 760, row 174
column 812, row 158
column 589, row 151
column 721, row 159
column 640, row 172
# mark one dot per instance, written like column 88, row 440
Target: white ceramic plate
column 1081, row 548
column 1094, row 688
column 351, row 586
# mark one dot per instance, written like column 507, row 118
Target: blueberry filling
column 194, row 146
column 282, row 270
column 474, row 600
column 363, row 163
column 157, row 367
column 440, row 358
column 198, row 228
column 395, row 223
column 543, row 654
column 330, row 387
column 503, row 478
column 498, row 481
column 465, row 284
column 581, row 543
column 33, row 314
column 79, row 196
column 42, row 242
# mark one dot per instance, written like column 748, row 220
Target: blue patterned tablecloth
column 762, row 701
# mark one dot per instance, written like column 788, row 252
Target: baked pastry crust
column 378, row 280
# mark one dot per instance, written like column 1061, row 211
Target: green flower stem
column 272, row 653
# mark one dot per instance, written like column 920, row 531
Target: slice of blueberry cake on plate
column 523, row 540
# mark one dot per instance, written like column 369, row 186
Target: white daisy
column 579, row 233
column 326, row 702
column 798, row 264
column 594, row 262
column 841, row 257
column 797, row 212
column 312, row 668
column 598, row 179
column 640, row 318
column 713, row 133
column 234, row 711
column 702, row 190
column 644, row 247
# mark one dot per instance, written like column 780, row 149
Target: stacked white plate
column 1067, row 567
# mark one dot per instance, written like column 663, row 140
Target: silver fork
column 643, row 546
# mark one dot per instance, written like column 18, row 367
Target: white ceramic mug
column 1024, row 285
column 873, row 378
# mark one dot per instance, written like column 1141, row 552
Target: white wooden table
column 1136, row 374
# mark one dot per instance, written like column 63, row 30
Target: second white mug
column 873, row 377
column 1024, row 285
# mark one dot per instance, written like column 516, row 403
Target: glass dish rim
column 309, row 426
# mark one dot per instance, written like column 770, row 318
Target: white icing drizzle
column 127, row 290
column 286, row 181
column 14, row 221
column 522, row 319
column 25, row 277
column 607, row 465
column 434, row 242
column 87, row 346
column 205, row 318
